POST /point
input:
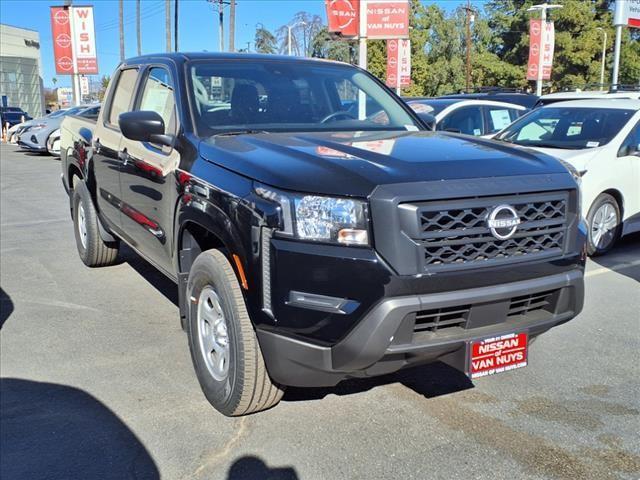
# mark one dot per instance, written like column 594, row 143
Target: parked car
column 310, row 244
column 471, row 117
column 13, row 116
column 35, row 136
column 600, row 139
column 526, row 100
column 586, row 95
column 14, row 132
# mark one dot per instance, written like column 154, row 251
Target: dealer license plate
column 497, row 354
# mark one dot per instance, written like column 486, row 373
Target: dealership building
column 21, row 70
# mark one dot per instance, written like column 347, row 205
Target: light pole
column 543, row 17
column 604, row 55
column 289, row 27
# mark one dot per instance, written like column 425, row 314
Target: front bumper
column 386, row 339
column 30, row 146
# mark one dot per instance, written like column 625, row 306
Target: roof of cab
column 181, row 57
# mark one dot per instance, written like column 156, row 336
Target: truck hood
column 354, row 163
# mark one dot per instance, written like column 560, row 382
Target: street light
column 289, row 27
column 543, row 17
column 604, row 55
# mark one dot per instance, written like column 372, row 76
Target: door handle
column 124, row 157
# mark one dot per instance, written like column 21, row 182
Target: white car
column 587, row 94
column 472, row 117
column 600, row 140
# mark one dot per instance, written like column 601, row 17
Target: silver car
column 37, row 133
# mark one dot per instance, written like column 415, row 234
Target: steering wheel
column 335, row 115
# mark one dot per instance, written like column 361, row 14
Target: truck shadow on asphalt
column 152, row 275
column 59, row 432
column 627, row 250
column 431, row 380
column 6, row 307
column 254, row 468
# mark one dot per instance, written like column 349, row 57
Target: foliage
column 500, row 46
column 264, row 40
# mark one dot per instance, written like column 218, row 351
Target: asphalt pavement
column 97, row 381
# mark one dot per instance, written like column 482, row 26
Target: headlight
column 38, row 126
column 321, row 218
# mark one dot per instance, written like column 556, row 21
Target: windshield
column 276, row 96
column 567, row 128
column 73, row 110
column 57, row 113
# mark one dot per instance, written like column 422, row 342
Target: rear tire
column 224, row 348
column 93, row 251
column 605, row 225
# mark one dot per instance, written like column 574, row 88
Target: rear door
column 148, row 174
column 498, row 118
column 467, row 120
column 106, row 147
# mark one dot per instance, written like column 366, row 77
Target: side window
column 157, row 96
column 121, row 98
column 631, row 144
column 467, row 120
column 499, row 118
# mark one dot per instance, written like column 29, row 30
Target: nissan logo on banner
column 343, row 16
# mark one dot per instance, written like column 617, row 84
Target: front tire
column 224, row 348
column 605, row 224
column 93, row 251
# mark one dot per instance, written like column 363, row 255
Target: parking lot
column 97, row 380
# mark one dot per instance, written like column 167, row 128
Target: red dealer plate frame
column 497, row 354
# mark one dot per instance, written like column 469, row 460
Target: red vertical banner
column 62, row 45
column 398, row 63
column 540, row 37
column 343, row 16
column 392, row 63
column 535, row 38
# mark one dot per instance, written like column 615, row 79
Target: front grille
column 438, row 318
column 456, row 233
column 525, row 304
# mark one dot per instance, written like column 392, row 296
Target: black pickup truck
column 315, row 230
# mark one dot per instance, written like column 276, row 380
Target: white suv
column 600, row 139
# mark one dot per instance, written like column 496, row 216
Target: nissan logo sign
column 503, row 222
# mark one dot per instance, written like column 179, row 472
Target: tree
column 104, row 83
column 305, row 27
column 264, row 40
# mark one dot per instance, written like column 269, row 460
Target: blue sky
column 198, row 27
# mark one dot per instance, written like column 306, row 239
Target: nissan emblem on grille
column 503, row 221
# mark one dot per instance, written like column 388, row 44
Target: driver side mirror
column 429, row 120
column 144, row 126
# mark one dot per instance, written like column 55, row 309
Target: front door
column 148, row 175
column 106, row 149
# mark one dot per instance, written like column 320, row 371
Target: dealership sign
column 387, row 19
column 541, row 37
column 74, row 40
column 343, row 16
column 398, row 63
column 627, row 13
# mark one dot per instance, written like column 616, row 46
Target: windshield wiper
column 245, row 131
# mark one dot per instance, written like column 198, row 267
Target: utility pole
column 138, row 27
column 232, row 26
column 604, row 56
column 289, row 28
column 468, row 16
column 362, row 57
column 175, row 25
column 543, row 16
column 619, row 21
column 167, row 23
column 121, row 21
